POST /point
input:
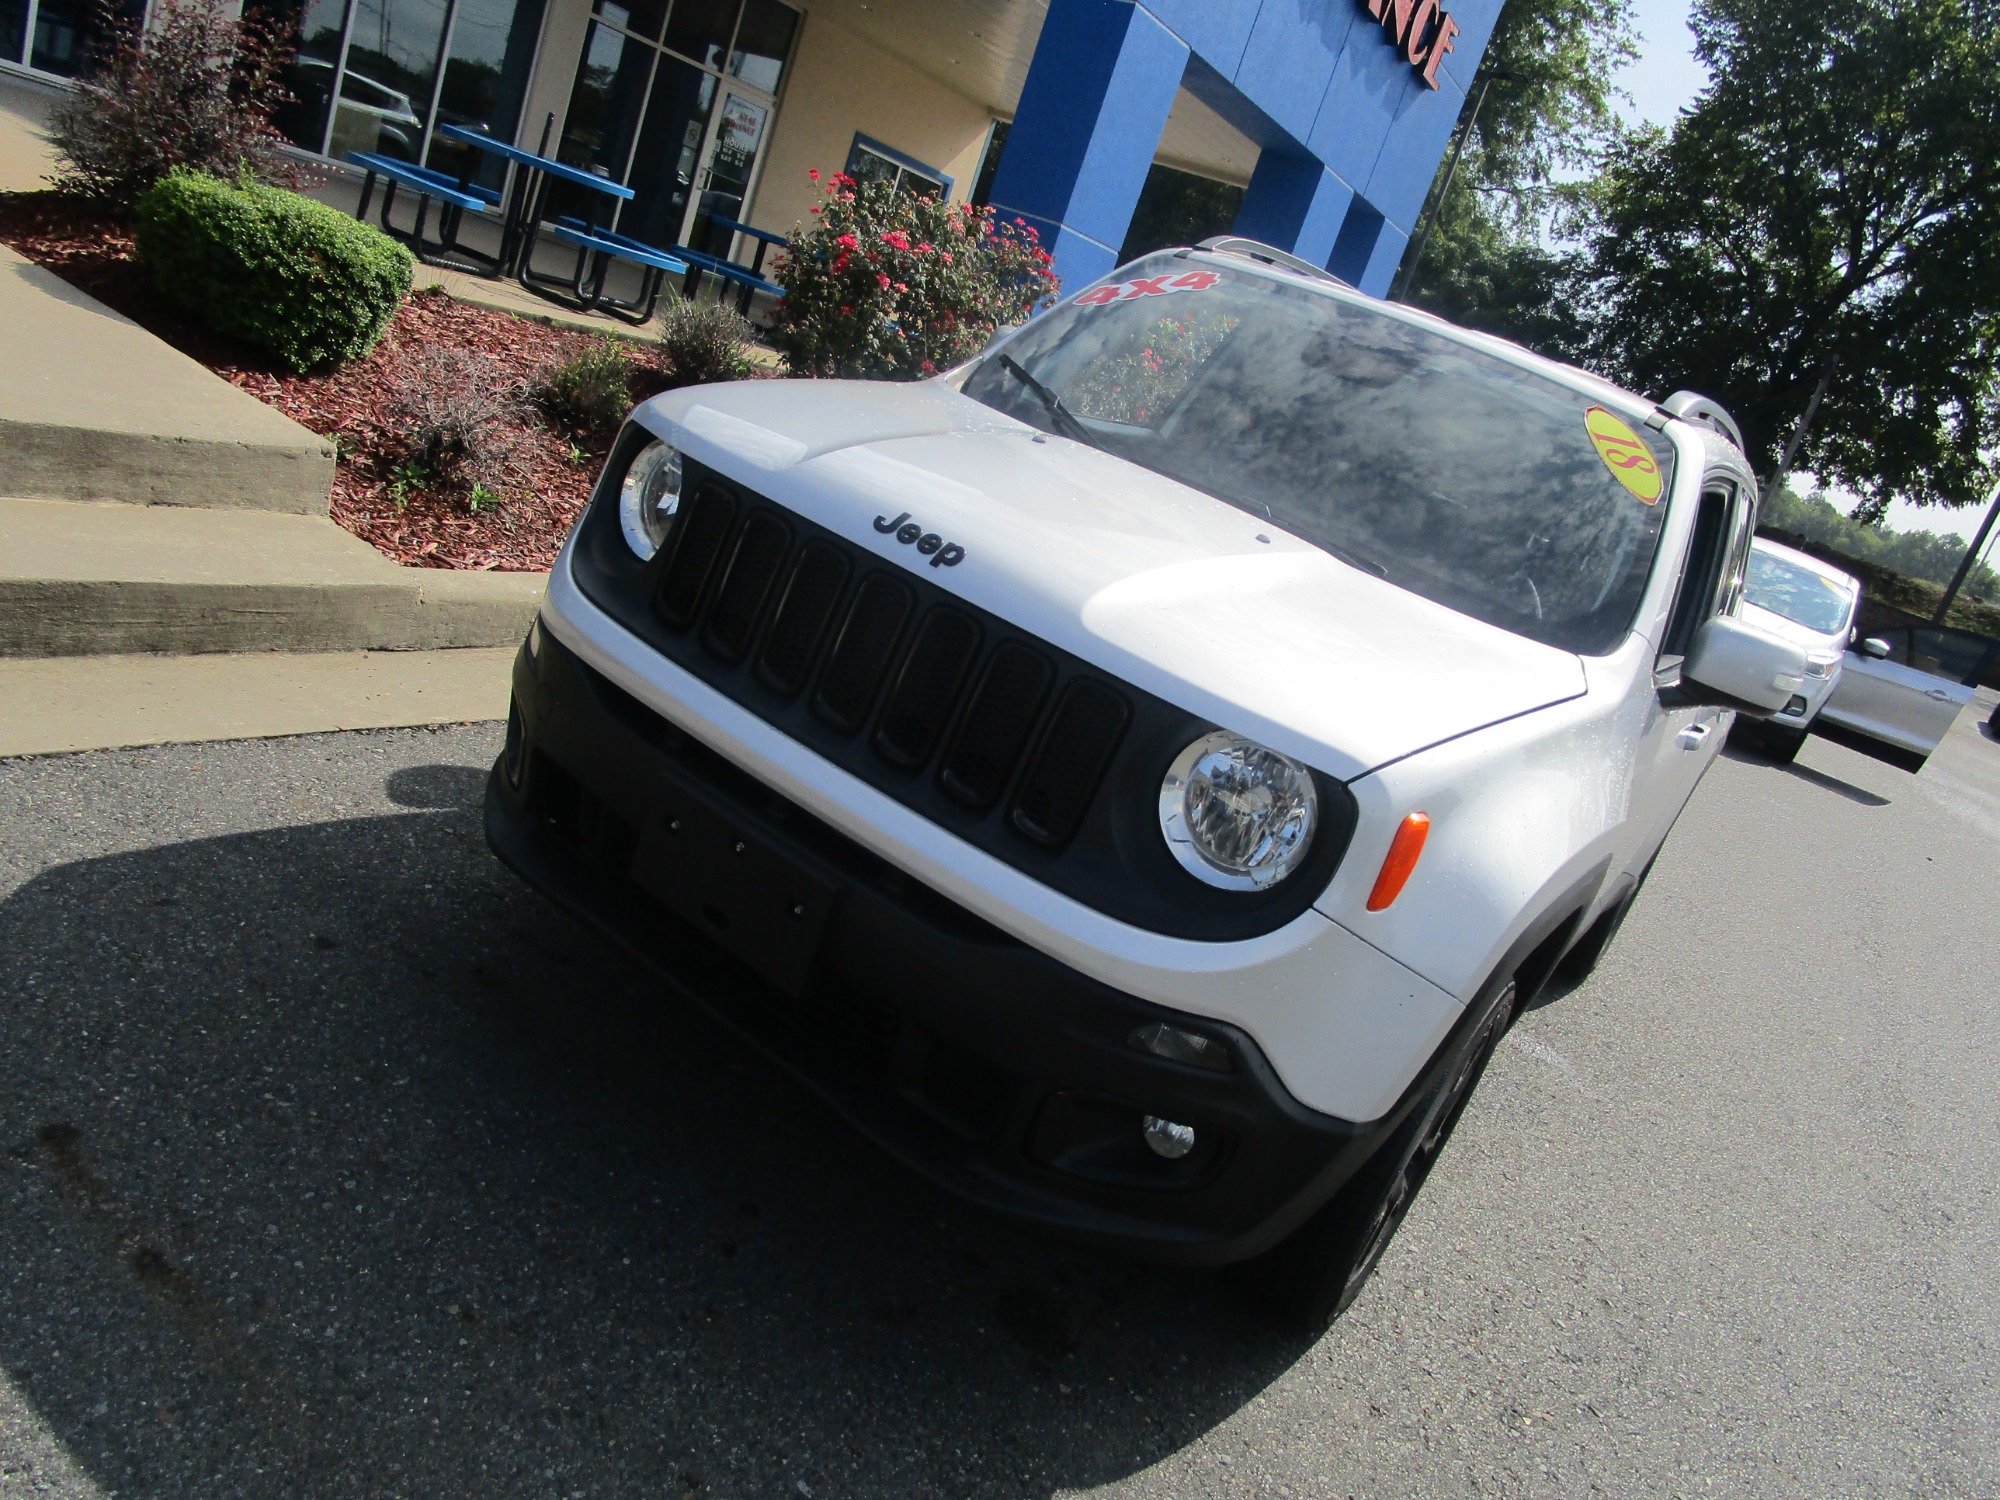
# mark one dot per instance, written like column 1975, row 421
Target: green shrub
column 890, row 285
column 301, row 282
column 591, row 391
column 704, row 342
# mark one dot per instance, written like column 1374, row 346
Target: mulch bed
column 548, row 471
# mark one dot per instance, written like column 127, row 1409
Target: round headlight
column 1237, row 815
column 648, row 497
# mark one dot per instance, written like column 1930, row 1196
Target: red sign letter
column 1418, row 38
column 1447, row 29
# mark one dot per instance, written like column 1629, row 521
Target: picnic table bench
column 455, row 197
column 606, row 245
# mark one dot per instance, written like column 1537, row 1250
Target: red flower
column 897, row 238
column 848, row 242
column 900, row 287
column 925, row 248
column 813, row 173
column 881, row 281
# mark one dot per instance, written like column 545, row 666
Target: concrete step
column 93, row 407
column 82, row 579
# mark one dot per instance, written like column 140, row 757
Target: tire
column 1313, row 1276
column 1773, row 742
column 1781, row 745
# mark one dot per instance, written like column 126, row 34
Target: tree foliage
column 1833, row 192
column 1549, row 113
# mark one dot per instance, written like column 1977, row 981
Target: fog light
column 1797, row 704
column 1166, row 1138
column 1176, row 1045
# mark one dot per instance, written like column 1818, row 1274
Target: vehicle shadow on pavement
column 334, row 1161
column 1807, row 774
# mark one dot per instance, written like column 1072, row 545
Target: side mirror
column 1001, row 334
column 1736, row 665
column 1875, row 648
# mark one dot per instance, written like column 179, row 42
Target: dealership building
column 1111, row 126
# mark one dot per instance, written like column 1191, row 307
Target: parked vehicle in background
column 1794, row 595
column 1901, row 689
column 1137, row 777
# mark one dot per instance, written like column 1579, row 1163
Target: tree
column 1833, row 192
column 1549, row 109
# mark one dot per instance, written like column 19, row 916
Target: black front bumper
column 998, row 1072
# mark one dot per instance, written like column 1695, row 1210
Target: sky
column 1666, row 78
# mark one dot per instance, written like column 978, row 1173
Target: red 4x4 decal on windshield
column 1149, row 286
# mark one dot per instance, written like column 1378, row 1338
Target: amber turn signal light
column 1401, row 860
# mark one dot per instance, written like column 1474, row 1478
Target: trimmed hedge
column 300, row 281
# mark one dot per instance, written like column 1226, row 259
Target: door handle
column 1692, row 737
column 1939, row 694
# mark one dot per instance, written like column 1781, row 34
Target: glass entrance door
column 644, row 110
column 725, row 179
column 663, row 175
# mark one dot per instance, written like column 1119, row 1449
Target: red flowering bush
column 889, row 286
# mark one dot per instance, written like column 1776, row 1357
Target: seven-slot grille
column 812, row 614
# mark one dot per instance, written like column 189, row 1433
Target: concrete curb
column 62, row 617
column 80, row 579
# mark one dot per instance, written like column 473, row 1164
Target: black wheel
column 1312, row 1277
column 1581, row 961
column 1781, row 745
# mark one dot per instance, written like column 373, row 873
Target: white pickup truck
column 1136, row 777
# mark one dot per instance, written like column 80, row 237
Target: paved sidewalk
column 61, row 704
column 25, row 159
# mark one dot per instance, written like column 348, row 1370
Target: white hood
column 1149, row 580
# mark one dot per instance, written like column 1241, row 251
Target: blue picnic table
column 530, row 187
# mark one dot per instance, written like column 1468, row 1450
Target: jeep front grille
column 923, row 677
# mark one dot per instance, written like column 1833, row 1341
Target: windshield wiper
column 1065, row 419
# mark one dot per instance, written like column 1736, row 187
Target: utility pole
column 1778, row 475
column 1400, row 291
column 1971, row 556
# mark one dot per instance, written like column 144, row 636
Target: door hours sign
column 1418, row 29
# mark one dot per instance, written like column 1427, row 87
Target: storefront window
column 63, row 34
column 385, row 91
column 871, row 161
column 640, row 17
column 763, row 43
column 486, row 81
column 701, row 29
column 13, row 28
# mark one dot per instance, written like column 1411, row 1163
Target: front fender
column 1529, row 823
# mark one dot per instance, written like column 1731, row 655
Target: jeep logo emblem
column 942, row 554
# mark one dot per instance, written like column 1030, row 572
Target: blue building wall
column 1350, row 131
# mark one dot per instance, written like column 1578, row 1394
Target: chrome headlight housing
column 1236, row 814
column 649, row 498
column 1818, row 668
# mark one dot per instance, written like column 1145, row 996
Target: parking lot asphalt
column 333, row 1161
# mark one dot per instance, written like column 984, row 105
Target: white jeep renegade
column 1137, row 776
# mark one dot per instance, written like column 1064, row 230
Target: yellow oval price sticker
column 1624, row 453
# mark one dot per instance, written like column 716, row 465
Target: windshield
column 1800, row 594
column 1456, row 475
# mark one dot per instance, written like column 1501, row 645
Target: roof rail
column 1270, row 255
column 1691, row 406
